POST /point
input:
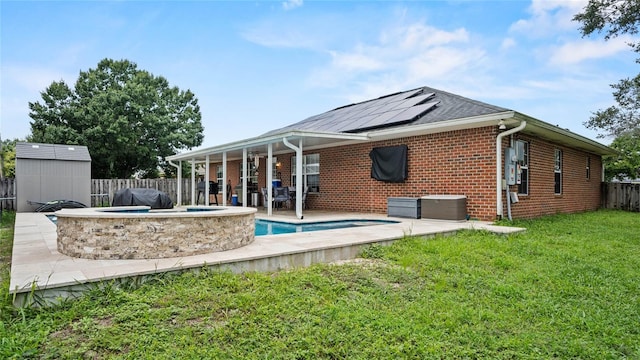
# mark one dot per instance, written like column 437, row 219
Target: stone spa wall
column 123, row 233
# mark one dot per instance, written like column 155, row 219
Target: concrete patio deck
column 41, row 275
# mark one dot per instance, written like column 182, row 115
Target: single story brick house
column 412, row 144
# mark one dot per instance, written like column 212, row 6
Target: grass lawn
column 567, row 288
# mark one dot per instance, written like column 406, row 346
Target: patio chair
column 281, row 196
column 265, row 197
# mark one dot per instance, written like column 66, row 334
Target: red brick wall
column 458, row 162
column 578, row 192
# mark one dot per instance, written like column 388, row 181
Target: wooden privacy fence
column 622, row 196
column 102, row 190
column 615, row 195
column 7, row 194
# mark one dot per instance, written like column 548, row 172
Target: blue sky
column 259, row 65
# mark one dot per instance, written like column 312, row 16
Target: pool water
column 268, row 227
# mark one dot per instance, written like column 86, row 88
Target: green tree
column 615, row 18
column 8, row 158
column 129, row 119
column 625, row 165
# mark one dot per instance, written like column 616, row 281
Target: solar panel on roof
column 401, row 96
column 359, row 123
column 411, row 113
column 415, row 100
column 373, row 113
column 383, row 118
column 390, row 106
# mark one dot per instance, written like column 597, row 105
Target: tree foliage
column 8, row 155
column 615, row 18
column 625, row 165
column 129, row 119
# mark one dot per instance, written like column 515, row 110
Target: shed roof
column 52, row 152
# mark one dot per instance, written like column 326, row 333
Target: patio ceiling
column 310, row 140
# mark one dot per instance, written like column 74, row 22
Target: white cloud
column 577, row 51
column 33, row 78
column 548, row 17
column 401, row 57
column 355, row 62
column 291, row 4
column 508, row 43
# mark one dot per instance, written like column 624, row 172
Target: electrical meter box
column 510, row 161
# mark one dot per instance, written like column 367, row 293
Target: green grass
column 567, row 288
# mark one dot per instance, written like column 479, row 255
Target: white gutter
column 520, row 127
column 299, row 191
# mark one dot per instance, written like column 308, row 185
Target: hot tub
column 136, row 232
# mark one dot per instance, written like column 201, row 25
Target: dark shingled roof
column 413, row 107
column 52, row 152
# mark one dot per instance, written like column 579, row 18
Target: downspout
column 298, row 151
column 520, row 127
column 179, row 181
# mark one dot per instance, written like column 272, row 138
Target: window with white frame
column 557, row 170
column 253, row 173
column 219, row 177
column 588, row 167
column 275, row 167
column 310, row 171
column 522, row 152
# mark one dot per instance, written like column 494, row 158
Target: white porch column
column 224, row 179
column 299, row 176
column 245, row 176
column 193, row 181
column 179, row 178
column 206, row 182
column 269, row 179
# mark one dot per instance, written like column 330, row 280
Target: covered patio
column 250, row 151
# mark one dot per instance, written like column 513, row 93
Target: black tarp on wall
column 389, row 163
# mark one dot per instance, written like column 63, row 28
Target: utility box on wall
column 404, row 207
column 444, row 207
column 47, row 172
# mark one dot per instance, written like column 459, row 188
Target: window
column 522, row 152
column 275, row 167
column 588, row 167
column 310, row 171
column 558, row 172
column 219, row 175
column 253, row 173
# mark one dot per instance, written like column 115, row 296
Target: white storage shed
column 48, row 172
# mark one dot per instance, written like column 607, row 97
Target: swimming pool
column 269, row 227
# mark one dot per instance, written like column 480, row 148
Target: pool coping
column 40, row 274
